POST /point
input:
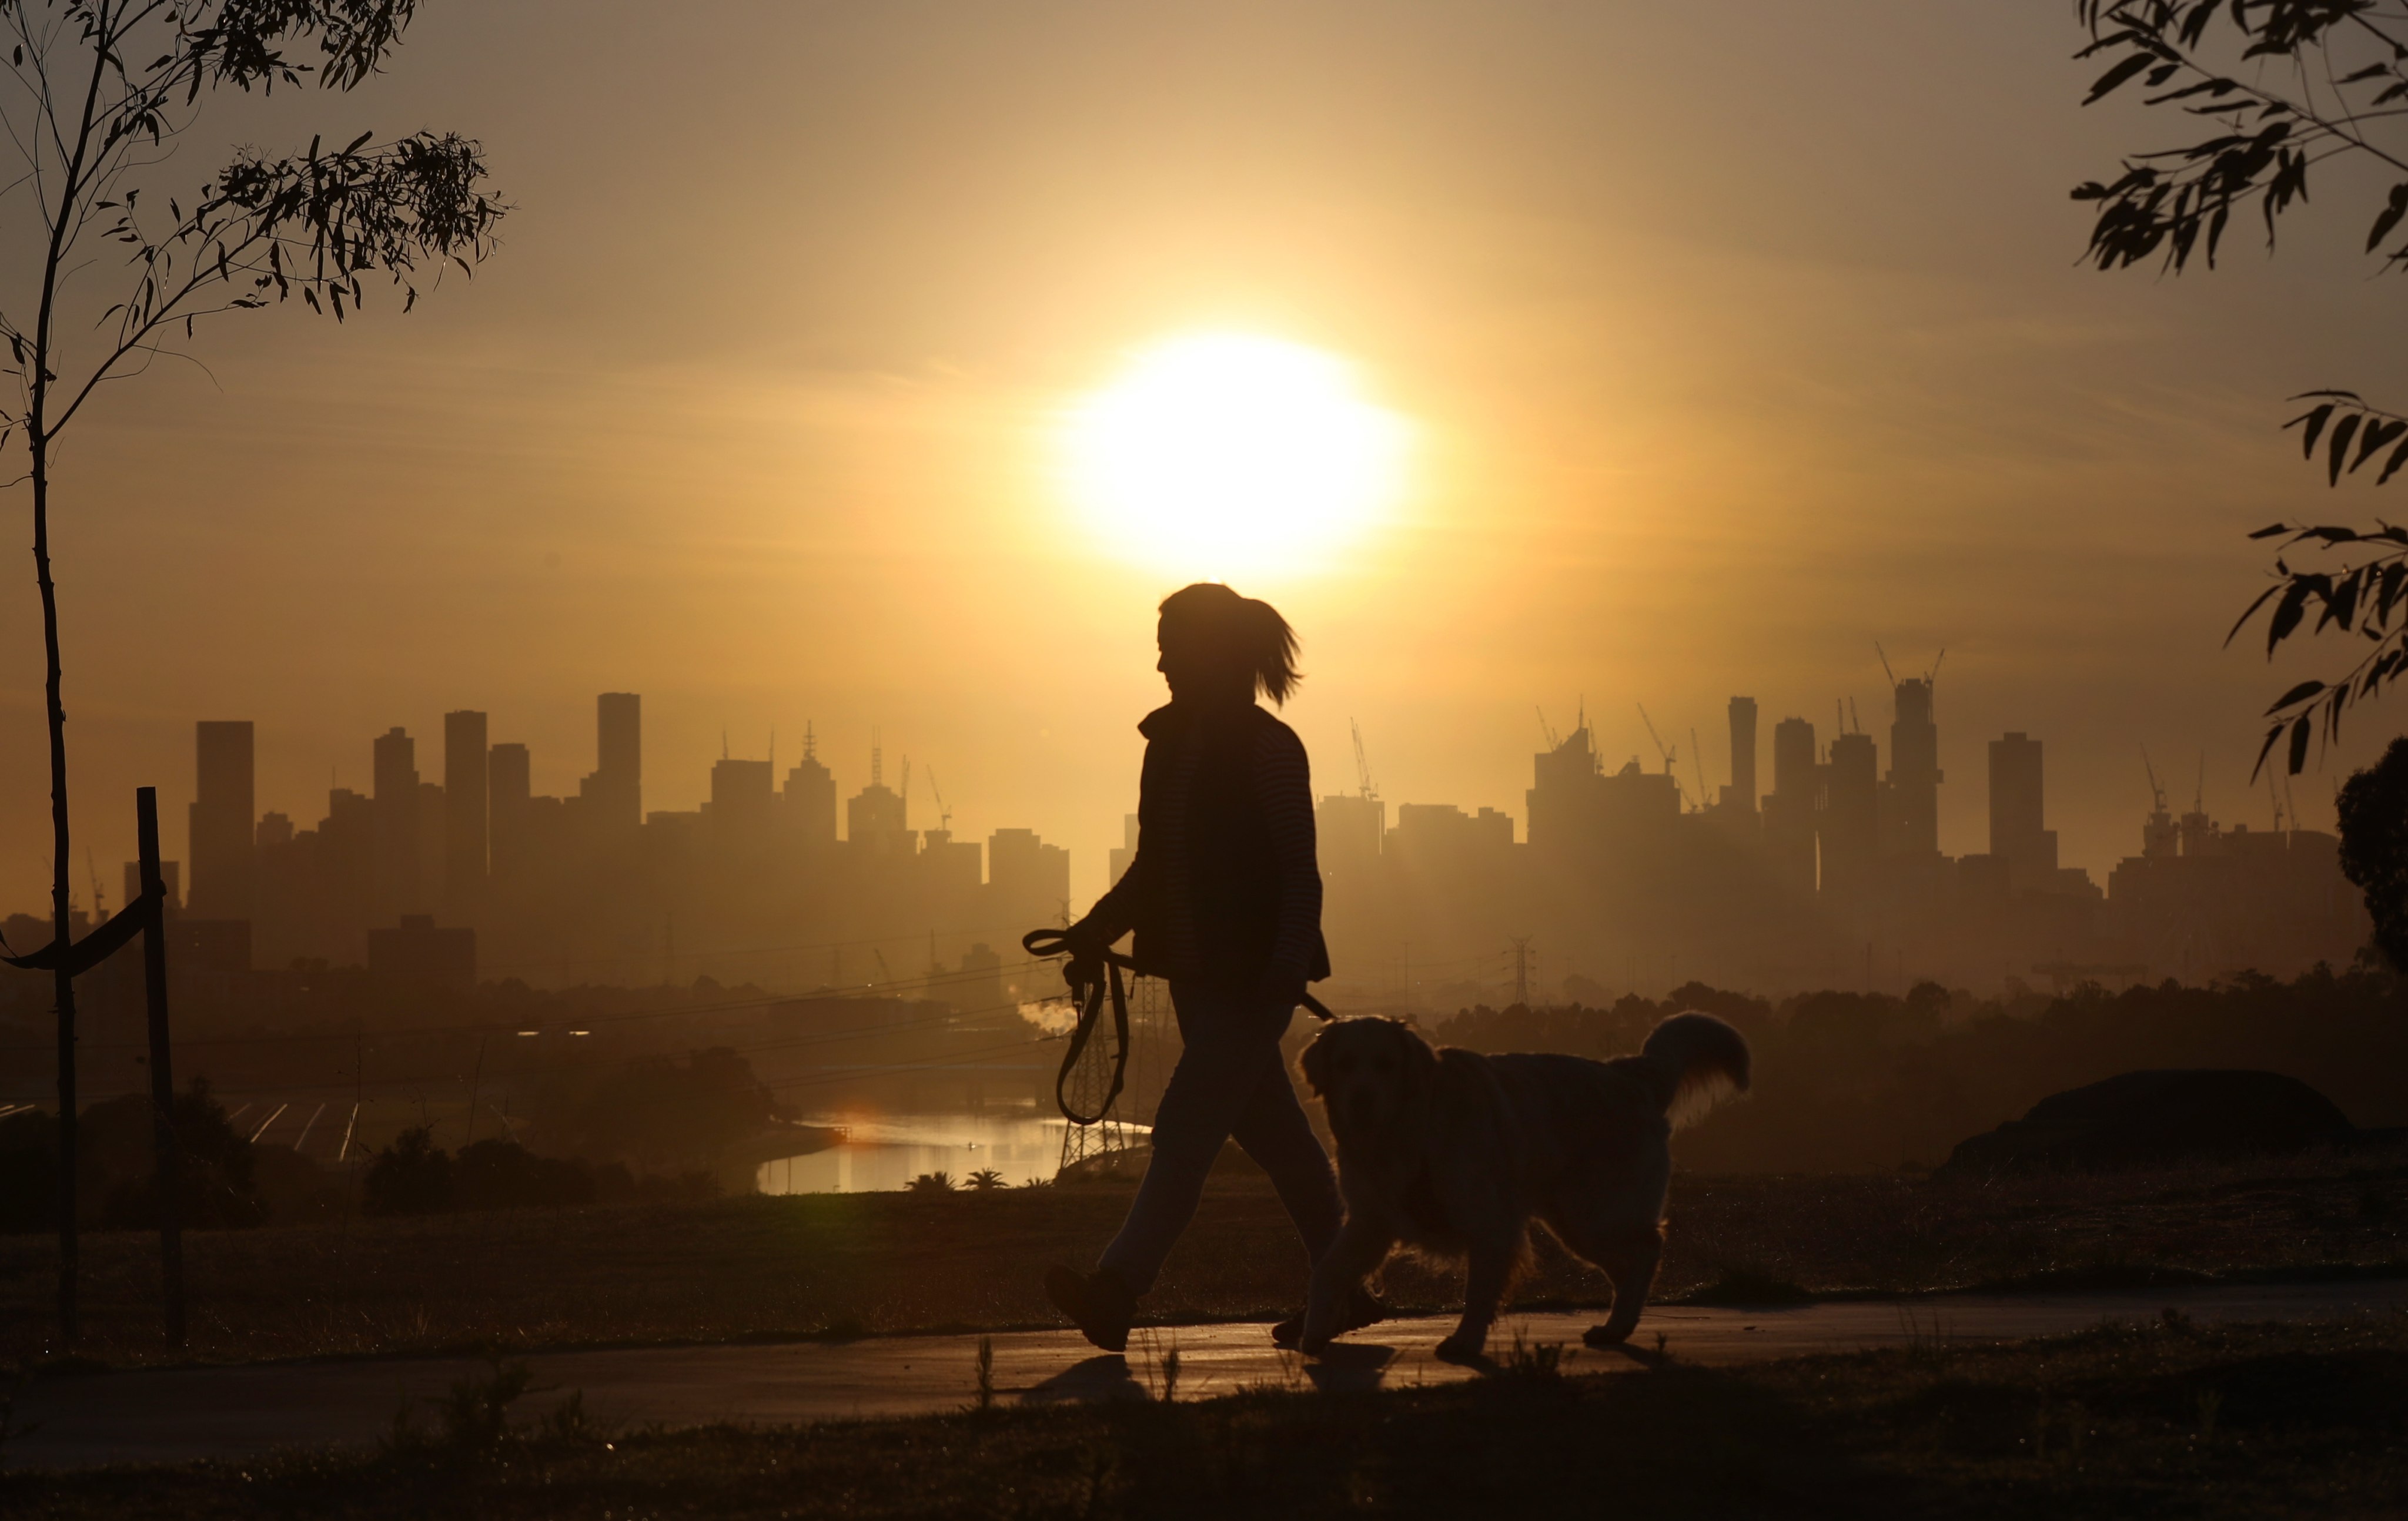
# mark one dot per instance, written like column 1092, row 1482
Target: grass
column 2163, row 1420
column 846, row 1265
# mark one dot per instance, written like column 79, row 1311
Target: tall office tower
column 741, row 806
column 432, row 854
column 507, row 789
column 1790, row 807
column 1565, row 803
column 465, row 817
column 347, row 869
column 1914, row 776
column 1349, row 827
column 1028, row 880
column 221, row 822
column 1850, row 821
column 1741, row 794
column 615, row 792
column 397, row 823
column 2016, row 836
column 1792, row 760
column 809, row 803
column 877, row 819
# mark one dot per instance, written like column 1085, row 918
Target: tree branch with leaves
column 2274, row 89
column 94, row 133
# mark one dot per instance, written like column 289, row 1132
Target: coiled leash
column 1091, row 978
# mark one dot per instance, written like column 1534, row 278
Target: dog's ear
column 1315, row 1063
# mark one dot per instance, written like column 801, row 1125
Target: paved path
column 179, row 1415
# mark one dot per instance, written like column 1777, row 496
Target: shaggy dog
column 1456, row 1153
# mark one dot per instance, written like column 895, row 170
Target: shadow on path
column 1104, row 1376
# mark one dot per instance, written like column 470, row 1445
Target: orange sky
column 1734, row 338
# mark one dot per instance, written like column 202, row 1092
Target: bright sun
column 1225, row 453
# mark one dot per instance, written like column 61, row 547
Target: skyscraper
column 397, row 823
column 221, row 821
column 1850, row 819
column 614, row 793
column 741, row 808
column 1790, row 807
column 465, row 815
column 2016, row 835
column 1741, row 793
column 809, row 803
column 507, row 789
column 877, row 822
column 1028, row 879
column 1912, row 823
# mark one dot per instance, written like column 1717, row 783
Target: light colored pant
column 1230, row 1084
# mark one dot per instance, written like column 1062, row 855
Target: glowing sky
column 1730, row 340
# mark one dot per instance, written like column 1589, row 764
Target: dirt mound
column 2149, row 1118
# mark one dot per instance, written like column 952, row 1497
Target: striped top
column 1282, row 784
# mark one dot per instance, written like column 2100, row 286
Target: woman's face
column 1194, row 672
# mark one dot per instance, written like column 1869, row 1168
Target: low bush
column 415, row 1177
column 116, row 1166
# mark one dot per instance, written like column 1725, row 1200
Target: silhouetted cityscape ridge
column 1621, row 881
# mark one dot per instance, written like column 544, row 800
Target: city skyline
column 1622, row 870
column 1959, row 820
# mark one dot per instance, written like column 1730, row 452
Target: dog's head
column 1369, row 1072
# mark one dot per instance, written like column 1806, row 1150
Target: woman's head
column 1217, row 646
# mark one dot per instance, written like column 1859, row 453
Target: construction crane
column 1881, row 655
column 1547, row 730
column 2155, row 791
column 1669, row 754
column 944, row 814
column 1363, row 764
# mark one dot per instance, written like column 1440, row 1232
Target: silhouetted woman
column 1224, row 898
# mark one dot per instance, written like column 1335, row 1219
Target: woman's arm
column 1116, row 913
column 1283, row 784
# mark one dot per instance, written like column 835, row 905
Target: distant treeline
column 1854, row 1082
column 643, row 1128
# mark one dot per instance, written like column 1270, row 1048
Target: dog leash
column 1091, row 978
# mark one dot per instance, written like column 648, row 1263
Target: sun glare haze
column 1227, row 454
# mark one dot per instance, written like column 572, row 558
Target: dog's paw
column 1462, row 1348
column 1606, row 1335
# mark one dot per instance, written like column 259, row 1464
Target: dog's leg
column 1491, row 1272
column 1362, row 1245
column 1628, row 1258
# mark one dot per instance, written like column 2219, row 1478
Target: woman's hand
column 1086, row 942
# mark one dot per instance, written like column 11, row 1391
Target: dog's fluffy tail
column 1699, row 1058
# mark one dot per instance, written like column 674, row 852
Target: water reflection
column 887, row 1154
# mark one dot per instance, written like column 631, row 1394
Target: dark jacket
column 1223, row 886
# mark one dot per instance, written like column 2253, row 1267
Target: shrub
column 502, row 1174
column 411, row 1177
column 116, row 1164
